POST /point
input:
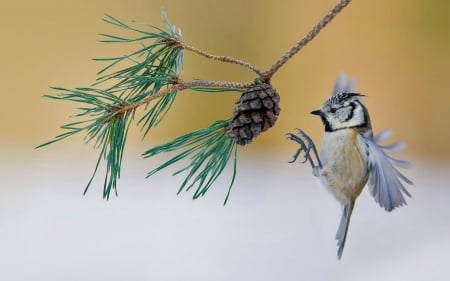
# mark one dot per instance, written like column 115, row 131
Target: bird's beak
column 316, row 112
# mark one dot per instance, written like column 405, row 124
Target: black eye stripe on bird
column 349, row 148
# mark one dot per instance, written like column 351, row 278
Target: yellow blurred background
column 399, row 54
column 398, row 51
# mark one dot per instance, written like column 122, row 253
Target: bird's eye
column 333, row 110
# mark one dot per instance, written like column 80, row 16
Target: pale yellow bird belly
column 344, row 161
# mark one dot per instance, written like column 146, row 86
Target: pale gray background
column 278, row 225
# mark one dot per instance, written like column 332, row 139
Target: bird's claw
column 303, row 147
column 306, row 145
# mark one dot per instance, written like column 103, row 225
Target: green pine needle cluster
column 152, row 67
column 209, row 151
column 103, row 125
column 105, row 114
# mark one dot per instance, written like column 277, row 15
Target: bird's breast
column 344, row 161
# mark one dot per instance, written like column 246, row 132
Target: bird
column 351, row 157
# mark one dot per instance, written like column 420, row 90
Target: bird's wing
column 385, row 181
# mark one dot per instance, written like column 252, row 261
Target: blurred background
column 279, row 223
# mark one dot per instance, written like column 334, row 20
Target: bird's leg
column 306, row 148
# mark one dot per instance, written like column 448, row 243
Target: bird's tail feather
column 341, row 234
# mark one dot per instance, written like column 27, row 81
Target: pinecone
column 256, row 111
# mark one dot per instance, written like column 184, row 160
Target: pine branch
column 151, row 77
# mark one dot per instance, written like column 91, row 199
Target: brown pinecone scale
column 256, row 111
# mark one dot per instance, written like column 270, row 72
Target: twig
column 214, row 84
column 266, row 75
column 180, row 86
column 226, row 59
